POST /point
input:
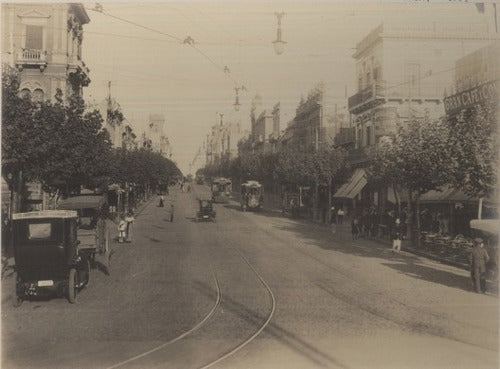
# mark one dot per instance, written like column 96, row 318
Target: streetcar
column 251, row 196
column 47, row 255
column 221, row 190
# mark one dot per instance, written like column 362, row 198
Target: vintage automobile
column 92, row 232
column 48, row 258
column 221, row 190
column 251, row 196
column 206, row 211
column 488, row 230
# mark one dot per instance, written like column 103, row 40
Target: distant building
column 155, row 138
column 222, row 142
column 129, row 141
column 265, row 126
column 315, row 123
column 477, row 79
column 44, row 42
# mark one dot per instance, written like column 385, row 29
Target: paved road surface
column 255, row 290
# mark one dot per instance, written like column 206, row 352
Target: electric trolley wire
column 187, row 41
column 136, row 24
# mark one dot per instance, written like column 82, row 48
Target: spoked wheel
column 72, row 285
column 18, row 300
column 86, row 273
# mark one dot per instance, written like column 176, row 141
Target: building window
column 38, row 95
column 34, row 37
column 25, row 93
column 368, row 135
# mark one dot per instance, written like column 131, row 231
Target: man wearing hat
column 479, row 258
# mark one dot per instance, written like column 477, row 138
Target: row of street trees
column 64, row 147
column 460, row 151
column 288, row 168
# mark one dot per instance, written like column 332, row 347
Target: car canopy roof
column 46, row 214
column 490, row 226
column 254, row 184
column 222, row 180
column 82, row 202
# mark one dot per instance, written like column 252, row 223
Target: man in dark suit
column 478, row 259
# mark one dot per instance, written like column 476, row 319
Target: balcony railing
column 345, row 136
column 78, row 69
column 31, row 57
column 369, row 94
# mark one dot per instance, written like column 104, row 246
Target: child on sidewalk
column 122, row 228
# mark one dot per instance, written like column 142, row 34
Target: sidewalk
column 406, row 246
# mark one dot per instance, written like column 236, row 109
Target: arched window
column 38, row 95
column 25, row 92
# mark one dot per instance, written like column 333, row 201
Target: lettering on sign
column 474, row 96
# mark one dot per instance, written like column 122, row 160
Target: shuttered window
column 34, row 37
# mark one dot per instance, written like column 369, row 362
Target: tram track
column 218, row 307
column 201, row 323
column 259, row 331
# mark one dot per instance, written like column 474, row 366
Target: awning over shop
column 447, row 195
column 352, row 187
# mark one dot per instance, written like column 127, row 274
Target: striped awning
column 353, row 187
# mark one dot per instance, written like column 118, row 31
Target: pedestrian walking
column 397, row 235
column 122, row 229
column 129, row 219
column 355, row 227
column 478, row 259
column 160, row 204
column 340, row 215
column 171, row 213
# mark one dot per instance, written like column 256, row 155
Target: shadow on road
column 289, row 339
column 341, row 241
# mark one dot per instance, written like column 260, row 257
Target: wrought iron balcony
column 78, row 70
column 31, row 58
column 365, row 99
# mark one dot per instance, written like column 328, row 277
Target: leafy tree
column 417, row 158
column 329, row 166
column 474, row 148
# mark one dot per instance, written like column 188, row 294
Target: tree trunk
column 329, row 200
column 315, row 201
column 396, row 196
column 417, row 200
column 409, row 217
column 19, row 197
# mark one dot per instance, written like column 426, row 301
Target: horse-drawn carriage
column 93, row 230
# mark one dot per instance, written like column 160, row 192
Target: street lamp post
column 279, row 44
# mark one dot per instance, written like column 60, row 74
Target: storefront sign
column 474, row 96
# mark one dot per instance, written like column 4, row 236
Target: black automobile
column 47, row 256
column 206, row 211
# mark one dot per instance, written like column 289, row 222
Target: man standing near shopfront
column 478, row 259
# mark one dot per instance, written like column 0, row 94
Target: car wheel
column 72, row 285
column 86, row 273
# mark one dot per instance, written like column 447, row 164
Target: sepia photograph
column 237, row 184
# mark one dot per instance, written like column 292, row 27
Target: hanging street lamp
column 237, row 100
column 279, row 44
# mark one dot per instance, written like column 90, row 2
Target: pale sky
column 154, row 73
